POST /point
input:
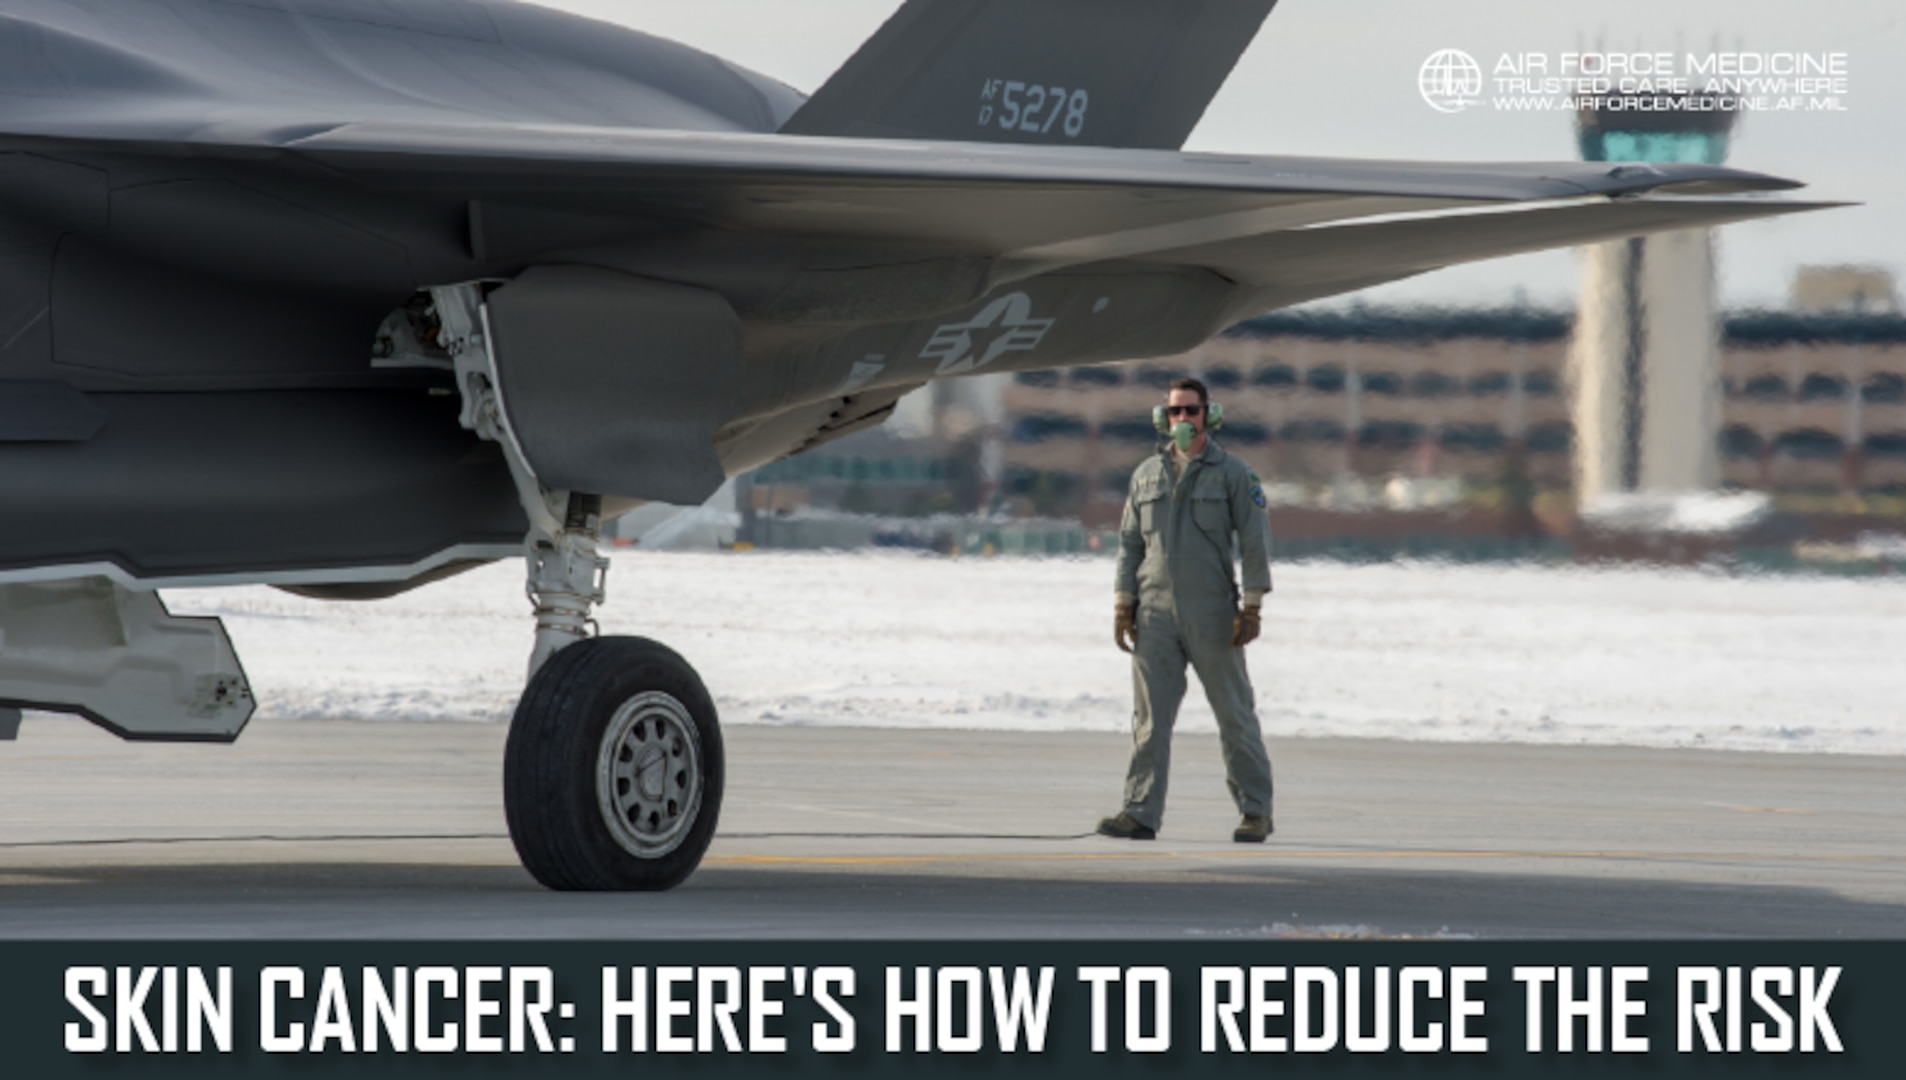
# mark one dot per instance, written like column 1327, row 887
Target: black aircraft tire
column 612, row 776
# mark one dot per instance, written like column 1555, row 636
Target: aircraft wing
column 1036, row 209
column 579, row 154
column 1302, row 264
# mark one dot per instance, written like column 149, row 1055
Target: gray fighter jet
column 345, row 296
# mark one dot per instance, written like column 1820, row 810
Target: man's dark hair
column 1204, row 396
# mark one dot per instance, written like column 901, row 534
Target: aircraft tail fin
column 1132, row 74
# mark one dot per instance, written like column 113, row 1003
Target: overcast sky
column 1339, row 78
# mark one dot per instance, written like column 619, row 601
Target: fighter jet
column 345, row 296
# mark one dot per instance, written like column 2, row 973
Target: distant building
column 872, row 472
column 1845, row 288
column 1379, row 408
column 1328, row 406
column 1815, row 403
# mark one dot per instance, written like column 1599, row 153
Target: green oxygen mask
column 1183, row 435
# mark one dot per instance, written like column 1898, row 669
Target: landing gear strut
column 612, row 775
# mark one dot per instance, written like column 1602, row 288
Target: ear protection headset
column 1213, row 418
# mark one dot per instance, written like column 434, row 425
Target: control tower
column 1644, row 365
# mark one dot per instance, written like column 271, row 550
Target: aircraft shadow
column 1033, row 899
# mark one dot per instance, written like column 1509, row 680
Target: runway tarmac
column 342, row 829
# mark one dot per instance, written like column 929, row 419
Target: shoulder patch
column 1257, row 489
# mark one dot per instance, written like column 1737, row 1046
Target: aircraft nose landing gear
column 612, row 774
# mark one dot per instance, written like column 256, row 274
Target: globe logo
column 1451, row 81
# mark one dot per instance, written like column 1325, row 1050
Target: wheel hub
column 649, row 774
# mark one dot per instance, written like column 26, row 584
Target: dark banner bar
column 1241, row 1008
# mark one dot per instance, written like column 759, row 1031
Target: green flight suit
column 1175, row 546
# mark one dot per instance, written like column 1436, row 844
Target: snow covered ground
column 1520, row 654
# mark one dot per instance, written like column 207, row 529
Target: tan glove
column 1125, row 626
column 1245, row 628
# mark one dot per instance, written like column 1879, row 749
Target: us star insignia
column 1003, row 326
